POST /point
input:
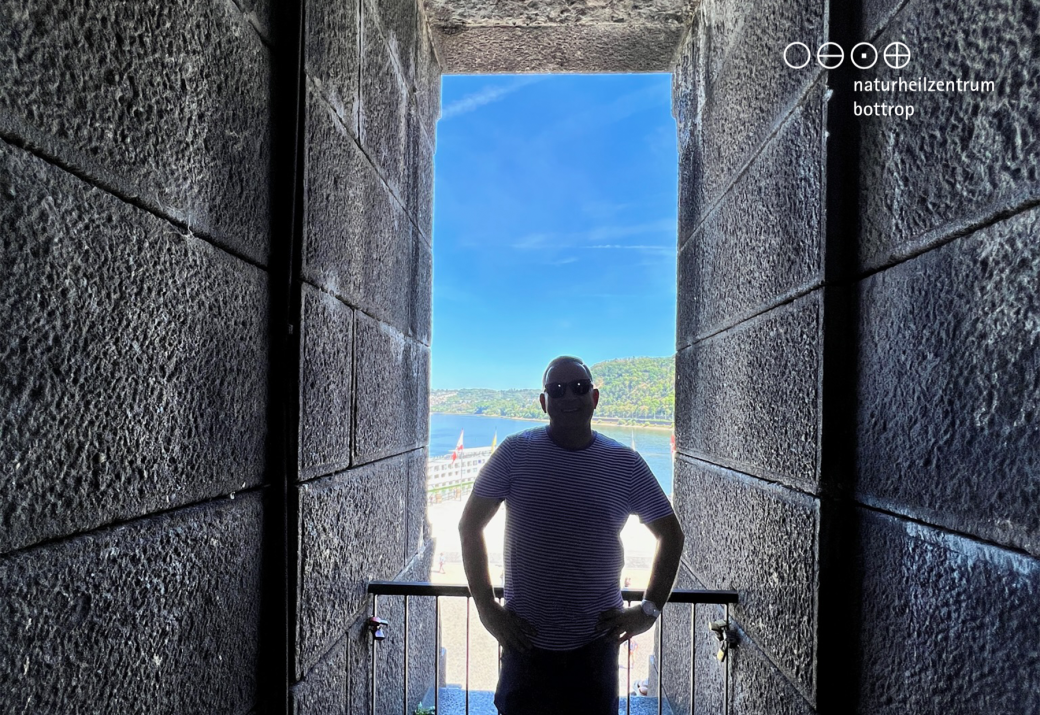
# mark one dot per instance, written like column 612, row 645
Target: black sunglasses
column 556, row 390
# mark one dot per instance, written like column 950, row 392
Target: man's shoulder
column 533, row 434
column 611, row 445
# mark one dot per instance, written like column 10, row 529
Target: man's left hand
column 625, row 623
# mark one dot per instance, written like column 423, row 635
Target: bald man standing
column 568, row 493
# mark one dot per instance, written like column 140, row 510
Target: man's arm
column 670, row 540
column 632, row 621
column 507, row 628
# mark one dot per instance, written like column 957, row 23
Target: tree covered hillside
column 631, row 390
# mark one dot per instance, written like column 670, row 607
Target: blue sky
column 554, row 224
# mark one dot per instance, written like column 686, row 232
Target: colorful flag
column 457, row 454
column 494, row 442
column 673, row 442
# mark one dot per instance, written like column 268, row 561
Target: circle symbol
column 808, row 55
column 864, row 55
column 897, row 55
column 832, row 58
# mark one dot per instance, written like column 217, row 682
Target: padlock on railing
column 727, row 639
column 377, row 626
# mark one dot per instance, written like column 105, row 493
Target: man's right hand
column 508, row 628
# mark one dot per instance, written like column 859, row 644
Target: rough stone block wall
column 948, row 359
column 372, row 101
column 134, row 164
column 858, row 352
column 751, row 344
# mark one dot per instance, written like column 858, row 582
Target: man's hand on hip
column 624, row 623
column 508, row 628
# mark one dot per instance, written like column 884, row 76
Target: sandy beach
column 444, row 518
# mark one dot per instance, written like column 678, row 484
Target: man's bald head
column 565, row 359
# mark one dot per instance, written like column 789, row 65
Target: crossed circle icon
column 830, row 55
column 897, row 55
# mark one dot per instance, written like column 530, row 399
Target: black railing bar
column 375, row 643
column 424, row 588
column 436, row 654
column 628, row 671
column 693, row 656
column 404, row 705
column 725, row 708
column 467, row 655
column 660, row 661
column 500, row 651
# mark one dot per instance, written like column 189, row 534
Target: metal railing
column 409, row 589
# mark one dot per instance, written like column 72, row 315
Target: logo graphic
column 897, row 55
column 830, row 55
column 864, row 55
column 796, row 56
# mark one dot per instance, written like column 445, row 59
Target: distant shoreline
column 606, row 422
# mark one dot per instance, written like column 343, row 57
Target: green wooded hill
column 631, row 390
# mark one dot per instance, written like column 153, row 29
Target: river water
column 654, row 445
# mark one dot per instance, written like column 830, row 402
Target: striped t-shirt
column 564, row 514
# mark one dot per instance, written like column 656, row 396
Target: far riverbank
column 596, row 422
column 480, row 430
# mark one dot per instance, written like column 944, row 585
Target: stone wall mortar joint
column 130, row 522
column 948, row 233
column 886, row 509
column 778, row 125
column 112, row 188
column 766, row 481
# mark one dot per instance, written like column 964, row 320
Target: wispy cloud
column 486, row 96
column 635, row 247
column 600, row 235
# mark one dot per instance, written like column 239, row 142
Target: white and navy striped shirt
column 564, row 514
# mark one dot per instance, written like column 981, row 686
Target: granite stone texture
column 966, row 156
column 390, row 691
column 876, row 14
column 326, row 372
column 384, row 105
column 399, row 23
column 417, row 527
column 422, row 290
column 422, row 622
column 258, row 14
column 587, row 48
column 749, row 398
column 687, row 100
column 748, row 89
column 164, row 103
column 763, row 242
column 333, row 56
column 324, row 690
column 357, row 242
column 133, row 359
column 949, row 624
column 689, row 653
column 757, row 687
column 427, row 81
column 949, row 385
column 419, row 179
column 160, row 615
column 761, row 540
column 392, row 386
column 521, row 13
column 352, row 530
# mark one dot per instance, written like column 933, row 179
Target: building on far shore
column 448, row 478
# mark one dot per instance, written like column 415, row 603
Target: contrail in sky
column 486, row 96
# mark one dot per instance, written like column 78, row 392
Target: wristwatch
column 650, row 609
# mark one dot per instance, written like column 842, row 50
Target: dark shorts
column 568, row 682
